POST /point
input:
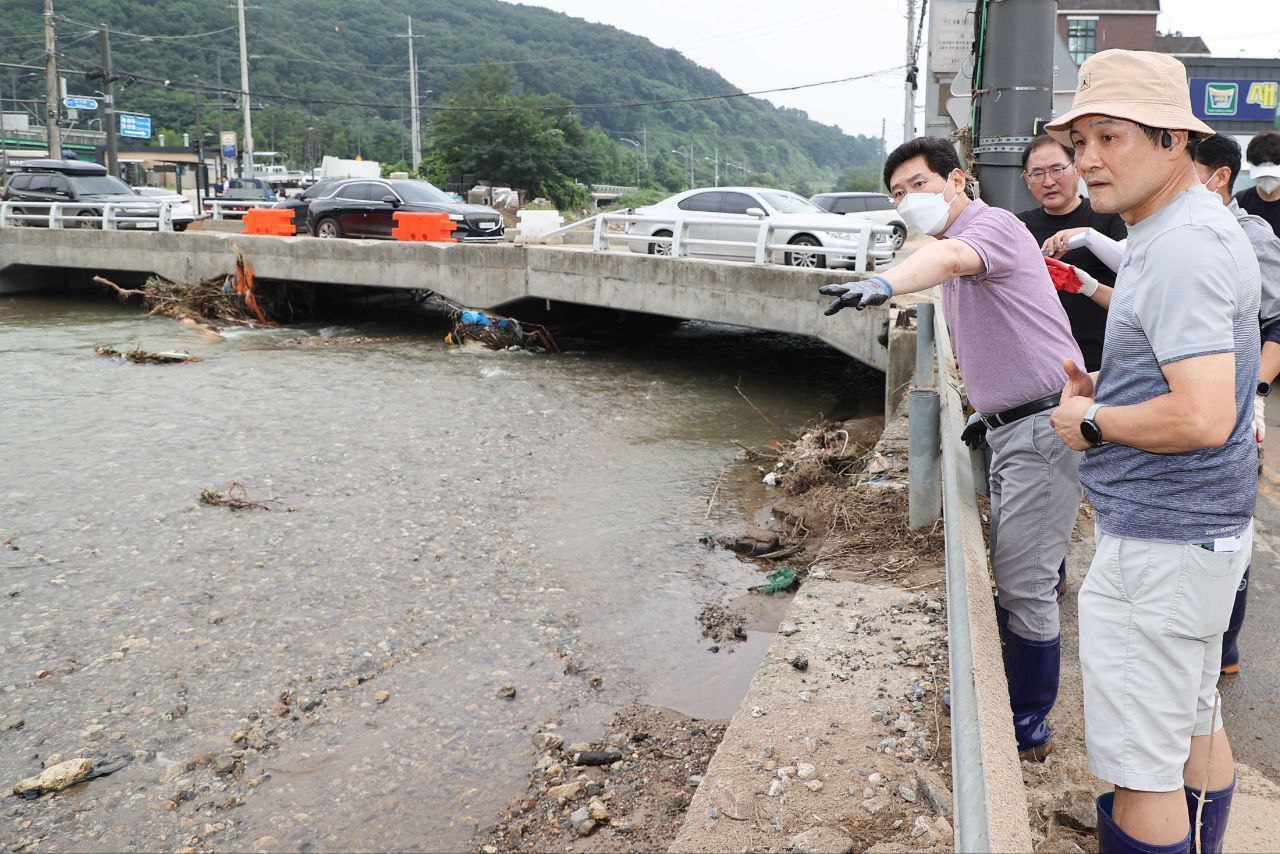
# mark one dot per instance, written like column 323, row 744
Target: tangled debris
column 236, row 498
column 234, row 299
column 142, row 357
column 497, row 332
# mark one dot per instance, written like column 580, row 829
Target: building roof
column 1142, row 6
column 1180, row 45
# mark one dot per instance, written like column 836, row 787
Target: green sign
column 1220, row 99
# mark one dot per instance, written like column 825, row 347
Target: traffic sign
column 135, row 126
column 228, row 143
column 80, row 103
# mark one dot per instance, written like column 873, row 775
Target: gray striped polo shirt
column 1188, row 286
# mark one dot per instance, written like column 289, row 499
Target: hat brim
column 1264, row 170
column 1152, row 115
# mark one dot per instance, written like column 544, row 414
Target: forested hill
column 317, row 62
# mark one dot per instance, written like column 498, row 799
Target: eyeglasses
column 1055, row 172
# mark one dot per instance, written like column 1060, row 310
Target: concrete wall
column 779, row 299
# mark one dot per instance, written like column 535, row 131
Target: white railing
column 220, row 206
column 871, row 243
column 155, row 215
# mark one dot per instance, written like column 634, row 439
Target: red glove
column 1067, row 278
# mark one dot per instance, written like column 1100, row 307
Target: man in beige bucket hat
column 1170, row 459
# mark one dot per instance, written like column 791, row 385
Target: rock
column 943, row 829
column 876, row 778
column 582, row 821
column 776, row 788
column 814, row 785
column 874, row 805
column 381, row 697
column 223, row 765
column 596, row 757
column 238, row 736
column 805, row 771
column 55, row 778
column 566, row 791
column 757, row 712
column 554, row 772
column 767, row 751
column 12, row 722
column 788, row 629
column 309, row 702
column 1080, row 816
column 934, row 791
column 822, row 840
column 933, row 605
column 593, row 789
column 507, row 692
column 577, row 747
column 908, row 794
column 800, row 662
column 924, row 831
column 597, row 810
column 547, row 740
column 731, row 802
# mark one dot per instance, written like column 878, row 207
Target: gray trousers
column 1035, row 495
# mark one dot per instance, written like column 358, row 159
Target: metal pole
column 246, row 146
column 1016, row 90
column 202, row 182
column 909, row 97
column 51, row 111
column 924, row 458
column 925, row 376
column 109, row 103
column 415, row 122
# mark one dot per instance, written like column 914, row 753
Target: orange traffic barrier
column 276, row 221
column 428, row 227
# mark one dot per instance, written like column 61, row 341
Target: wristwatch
column 1264, row 389
column 1089, row 428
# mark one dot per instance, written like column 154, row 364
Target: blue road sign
column 135, row 126
column 80, row 103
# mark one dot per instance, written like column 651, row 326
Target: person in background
column 1051, row 177
column 1217, row 164
column 1011, row 337
column 1171, row 462
column 1263, row 199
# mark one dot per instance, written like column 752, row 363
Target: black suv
column 75, row 182
column 362, row 207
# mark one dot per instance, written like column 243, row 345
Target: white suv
column 873, row 206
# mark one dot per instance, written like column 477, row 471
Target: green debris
column 782, row 578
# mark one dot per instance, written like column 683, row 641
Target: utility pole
column 414, row 120
column 1014, row 93
column 909, row 85
column 882, row 148
column 109, row 104
column 51, row 112
column 246, row 145
column 202, row 180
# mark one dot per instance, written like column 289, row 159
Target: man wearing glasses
column 1011, row 337
column 1051, row 177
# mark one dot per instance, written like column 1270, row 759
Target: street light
column 637, row 145
column 688, row 156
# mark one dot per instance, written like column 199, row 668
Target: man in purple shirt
column 1010, row 335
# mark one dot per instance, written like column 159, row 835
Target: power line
column 114, row 32
column 693, row 99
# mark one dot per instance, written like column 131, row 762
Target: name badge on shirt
column 1224, row 545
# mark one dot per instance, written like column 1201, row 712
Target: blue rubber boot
column 1031, row 668
column 1213, row 821
column 1113, row 840
column 1230, row 647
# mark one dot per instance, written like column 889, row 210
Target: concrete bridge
column 779, row 299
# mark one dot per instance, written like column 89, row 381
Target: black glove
column 975, row 432
column 873, row 291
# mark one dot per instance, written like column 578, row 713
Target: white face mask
column 1268, row 184
column 926, row 212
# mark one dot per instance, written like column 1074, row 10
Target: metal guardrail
column 138, row 215
column 220, row 206
column 988, row 795
column 872, row 242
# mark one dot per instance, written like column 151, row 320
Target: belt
column 1001, row 419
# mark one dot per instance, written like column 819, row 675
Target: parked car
column 181, row 209
column 83, row 186
column 361, row 207
column 876, row 207
column 748, row 205
column 301, row 203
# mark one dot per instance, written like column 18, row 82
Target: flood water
column 443, row 522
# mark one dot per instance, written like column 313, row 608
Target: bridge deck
column 779, row 299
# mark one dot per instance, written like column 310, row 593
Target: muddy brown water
column 444, row 522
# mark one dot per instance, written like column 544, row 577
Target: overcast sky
column 763, row 44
